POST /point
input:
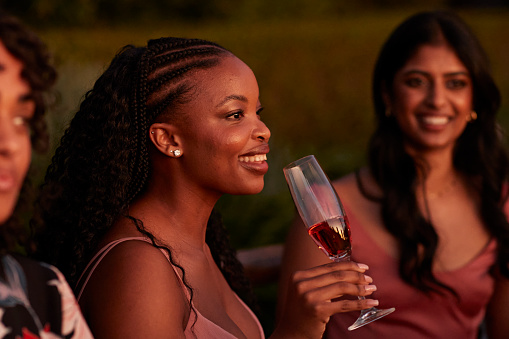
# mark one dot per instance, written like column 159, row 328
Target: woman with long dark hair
column 126, row 211
column 35, row 299
column 428, row 213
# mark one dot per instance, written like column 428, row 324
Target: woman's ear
column 166, row 139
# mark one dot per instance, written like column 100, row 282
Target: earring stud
column 472, row 116
column 176, row 152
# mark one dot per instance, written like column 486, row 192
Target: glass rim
column 300, row 161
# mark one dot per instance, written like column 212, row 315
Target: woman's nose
column 261, row 131
column 436, row 95
column 9, row 143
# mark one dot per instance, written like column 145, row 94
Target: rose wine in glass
column 322, row 213
column 332, row 237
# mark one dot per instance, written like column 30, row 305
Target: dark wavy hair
column 38, row 71
column 479, row 152
column 102, row 163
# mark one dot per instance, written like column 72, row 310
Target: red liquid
column 333, row 237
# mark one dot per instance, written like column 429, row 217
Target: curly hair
column 102, row 163
column 396, row 172
column 38, row 71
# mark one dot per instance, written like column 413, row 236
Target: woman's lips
column 7, row 180
column 255, row 163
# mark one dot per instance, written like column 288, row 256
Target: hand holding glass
column 323, row 215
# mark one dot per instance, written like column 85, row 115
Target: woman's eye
column 22, row 122
column 456, row 83
column 415, row 82
column 235, row 115
column 23, row 113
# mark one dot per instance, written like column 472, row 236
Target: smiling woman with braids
column 429, row 213
column 166, row 130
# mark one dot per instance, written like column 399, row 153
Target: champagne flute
column 322, row 213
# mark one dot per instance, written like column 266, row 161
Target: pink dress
column 417, row 315
column 198, row 326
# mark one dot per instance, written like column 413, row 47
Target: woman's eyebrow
column 232, row 97
column 416, row 71
column 458, row 73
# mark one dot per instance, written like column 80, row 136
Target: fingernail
column 363, row 266
column 368, row 278
column 371, row 302
column 370, row 288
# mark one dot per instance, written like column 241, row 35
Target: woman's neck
column 438, row 173
column 175, row 216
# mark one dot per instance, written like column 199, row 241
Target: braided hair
column 40, row 75
column 396, row 172
column 102, row 163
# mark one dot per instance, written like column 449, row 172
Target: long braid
column 139, row 164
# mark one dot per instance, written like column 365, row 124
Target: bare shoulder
column 348, row 189
column 135, row 284
column 346, row 183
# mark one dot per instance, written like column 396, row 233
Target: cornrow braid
column 102, row 163
column 138, row 169
column 165, row 59
column 155, row 85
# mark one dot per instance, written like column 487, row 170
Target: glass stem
column 347, row 258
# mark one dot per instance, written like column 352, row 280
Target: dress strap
column 94, row 262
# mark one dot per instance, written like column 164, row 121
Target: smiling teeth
column 254, row 158
column 435, row 120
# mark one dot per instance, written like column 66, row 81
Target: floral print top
column 36, row 302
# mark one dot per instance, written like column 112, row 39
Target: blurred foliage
column 92, row 12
